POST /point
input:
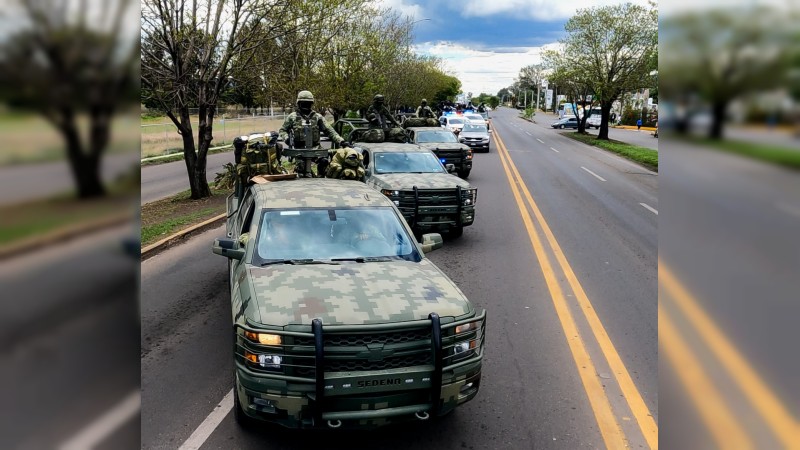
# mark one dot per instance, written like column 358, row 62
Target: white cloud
column 533, row 9
column 404, row 7
column 483, row 70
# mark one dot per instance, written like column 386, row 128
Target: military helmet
column 424, row 101
column 378, row 98
column 305, row 96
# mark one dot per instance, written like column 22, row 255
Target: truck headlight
column 265, row 361
column 390, row 193
column 470, row 196
column 263, row 338
column 462, row 347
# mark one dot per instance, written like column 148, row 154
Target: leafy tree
column 608, row 50
column 65, row 66
column 724, row 54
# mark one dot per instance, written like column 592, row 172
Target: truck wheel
column 456, row 232
column 464, row 173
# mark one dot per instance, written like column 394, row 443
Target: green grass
column 642, row 155
column 163, row 229
column 776, row 155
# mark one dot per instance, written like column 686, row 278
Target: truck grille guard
column 441, row 345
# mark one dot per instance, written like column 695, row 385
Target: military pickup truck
column 338, row 319
column 445, row 145
column 416, row 180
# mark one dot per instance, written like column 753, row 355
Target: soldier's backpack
column 372, row 135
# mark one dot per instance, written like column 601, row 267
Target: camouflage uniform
column 379, row 116
column 347, row 164
column 425, row 111
column 296, row 123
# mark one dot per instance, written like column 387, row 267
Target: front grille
column 450, row 155
column 350, row 352
column 429, row 197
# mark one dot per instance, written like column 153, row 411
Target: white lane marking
column 653, row 210
column 551, row 148
column 201, row 434
column 103, row 426
column 528, row 133
column 540, row 140
column 596, row 175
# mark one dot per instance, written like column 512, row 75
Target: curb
column 36, row 242
column 168, row 241
column 633, row 127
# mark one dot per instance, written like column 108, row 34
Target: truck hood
column 443, row 146
column 407, row 181
column 353, row 293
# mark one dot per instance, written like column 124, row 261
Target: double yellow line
column 716, row 414
column 607, row 422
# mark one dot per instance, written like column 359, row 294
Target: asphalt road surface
column 28, row 182
column 728, row 301
column 568, row 278
column 70, row 335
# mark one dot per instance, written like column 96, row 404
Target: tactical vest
column 258, row 158
column 300, row 132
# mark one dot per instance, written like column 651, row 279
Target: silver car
column 476, row 136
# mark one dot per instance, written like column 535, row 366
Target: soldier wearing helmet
column 379, row 115
column 303, row 116
column 424, row 111
column 347, row 164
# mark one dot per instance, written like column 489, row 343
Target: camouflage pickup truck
column 338, row 318
column 445, row 145
column 414, row 179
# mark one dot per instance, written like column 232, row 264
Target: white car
column 478, row 119
column 453, row 123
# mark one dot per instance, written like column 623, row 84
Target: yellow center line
column 724, row 428
column 607, row 423
column 634, row 399
column 775, row 414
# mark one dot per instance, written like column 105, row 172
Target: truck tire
column 464, row 173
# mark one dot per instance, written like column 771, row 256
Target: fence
column 162, row 137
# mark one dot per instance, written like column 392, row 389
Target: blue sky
column 486, row 42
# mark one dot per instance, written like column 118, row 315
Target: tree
column 608, row 50
column 68, row 65
column 187, row 62
column 724, row 54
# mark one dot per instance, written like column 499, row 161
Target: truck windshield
column 310, row 235
column 436, row 136
column 474, row 128
column 417, row 162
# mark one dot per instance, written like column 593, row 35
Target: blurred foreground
column 69, row 177
column 729, row 255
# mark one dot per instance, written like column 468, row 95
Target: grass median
column 170, row 215
column 642, row 155
column 786, row 157
column 176, row 154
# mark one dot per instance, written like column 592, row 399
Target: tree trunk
column 605, row 116
column 718, row 110
column 200, row 187
column 85, row 168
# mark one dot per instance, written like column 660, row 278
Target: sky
column 486, row 42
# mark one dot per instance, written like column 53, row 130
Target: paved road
column 634, row 137
column 22, row 183
column 69, row 333
column 162, row 180
column 728, row 245
column 534, row 393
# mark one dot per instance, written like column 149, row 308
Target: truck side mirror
column 228, row 248
column 450, row 167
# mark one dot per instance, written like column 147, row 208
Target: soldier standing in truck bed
column 317, row 124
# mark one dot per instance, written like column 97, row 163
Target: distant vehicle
column 595, row 119
column 475, row 135
column 566, row 122
column 445, row 145
column 453, row 123
column 479, row 119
